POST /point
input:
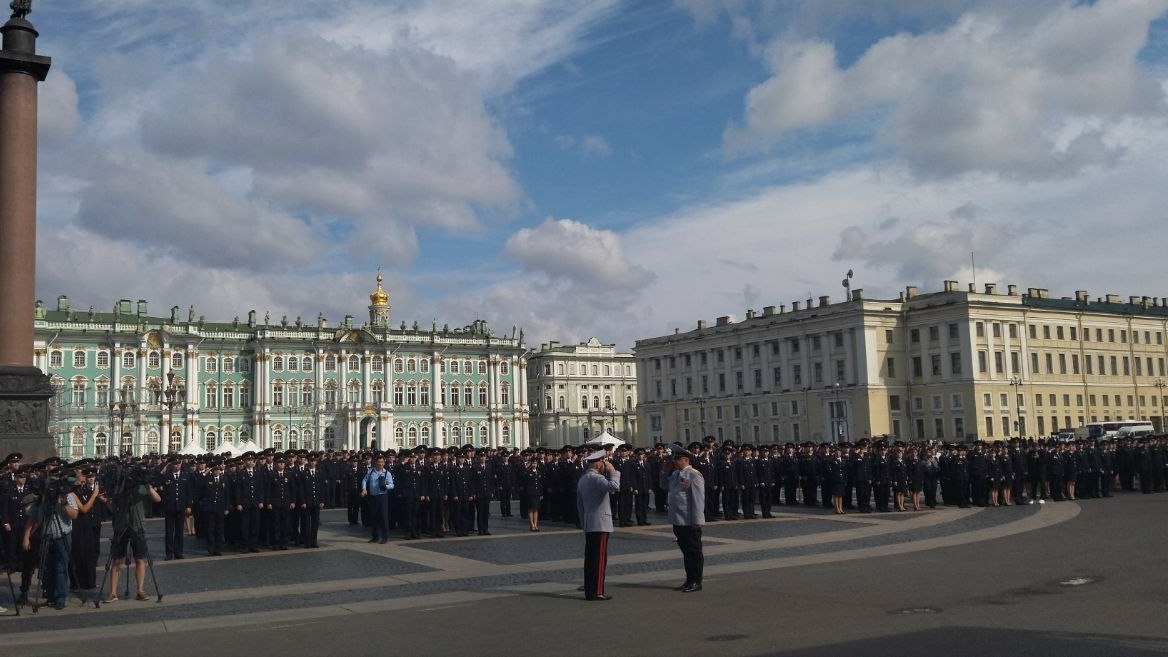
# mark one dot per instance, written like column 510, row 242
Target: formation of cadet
column 273, row 500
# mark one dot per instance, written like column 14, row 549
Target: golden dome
column 379, row 297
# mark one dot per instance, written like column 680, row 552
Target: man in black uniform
column 483, row 484
column 881, row 483
column 808, row 474
column 861, row 472
column 310, row 499
column 281, row 503
column 959, row 475
column 408, row 482
column 766, row 467
column 728, row 483
column 214, row 506
column 177, row 493
column 352, row 481
column 747, row 472
column 249, row 497
column 640, row 472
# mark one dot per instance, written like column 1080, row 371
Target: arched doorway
column 367, row 433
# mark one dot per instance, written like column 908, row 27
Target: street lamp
column 171, row 395
column 702, row 415
column 612, row 413
column 1160, row 385
column 1016, row 382
column 118, row 410
column 837, row 428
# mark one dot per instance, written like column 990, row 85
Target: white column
column 436, row 365
column 194, row 395
column 366, row 367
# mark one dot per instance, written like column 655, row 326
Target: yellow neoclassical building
column 955, row 364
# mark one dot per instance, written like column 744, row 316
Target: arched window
column 378, row 364
column 608, row 370
column 411, row 365
column 330, row 363
column 101, row 443
column 594, row 369
column 78, row 387
column 455, row 434
column 176, row 360
column 378, row 392
column 607, row 401
column 103, row 360
column 129, row 359
column 211, row 364
column 278, row 363
column 482, row 367
column 424, row 365
column 453, row 366
column 399, row 365
column 505, row 394
column 399, row 435
column 175, row 443
column 506, row 434
column 244, row 365
column 212, row 440
column 412, row 394
column 354, row 364
column 561, row 403
column 559, row 369
column 55, row 359
column 547, row 402
column 468, row 395
column 583, row 402
column 330, row 395
column 629, row 403
column 78, row 359
column 229, row 436
column 483, row 439
column 424, row 394
column 466, row 367
column 153, row 444
column 308, row 436
column 412, row 436
column 483, row 394
column 306, row 364
column 244, row 435
column 354, row 393
column 596, row 402
column 398, row 394
column 504, row 367
column 278, row 439
column 330, row 438
column 77, row 443
column 293, row 439
column 154, row 360
column 293, row 364
column 425, row 436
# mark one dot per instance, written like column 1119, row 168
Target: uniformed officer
column 310, row 499
column 214, row 506
column 177, row 493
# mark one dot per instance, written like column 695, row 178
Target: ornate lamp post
column 1016, row 382
column 171, row 395
column 118, row 410
column 1160, row 385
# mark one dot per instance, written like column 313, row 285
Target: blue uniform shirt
column 372, row 483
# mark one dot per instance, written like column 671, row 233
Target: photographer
column 57, row 531
column 129, row 510
column 376, row 486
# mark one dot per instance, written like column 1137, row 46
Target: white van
column 1135, row 430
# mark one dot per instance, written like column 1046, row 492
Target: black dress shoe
column 601, row 598
column 373, row 540
column 683, row 586
column 691, row 588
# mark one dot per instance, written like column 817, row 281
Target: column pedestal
column 25, row 393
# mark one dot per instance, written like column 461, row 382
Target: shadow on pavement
column 983, row 642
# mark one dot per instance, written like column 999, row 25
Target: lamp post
column 1016, row 383
column 837, row 429
column 1160, row 385
column 702, row 415
column 119, row 410
column 170, row 396
column 612, row 414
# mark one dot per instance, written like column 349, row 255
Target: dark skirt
column 533, row 502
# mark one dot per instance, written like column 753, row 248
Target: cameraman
column 57, row 532
column 129, row 510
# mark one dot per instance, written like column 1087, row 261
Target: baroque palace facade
column 949, row 365
column 127, row 381
column 579, row 391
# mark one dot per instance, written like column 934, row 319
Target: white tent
column 228, row 447
column 245, row 447
column 606, row 439
column 192, row 448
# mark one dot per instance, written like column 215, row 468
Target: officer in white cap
column 599, row 480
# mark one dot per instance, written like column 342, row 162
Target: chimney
column 124, row 306
column 701, row 324
column 1146, row 302
column 1134, row 300
column 858, row 294
column 1082, row 296
column 972, row 288
column 724, row 320
column 795, row 306
column 782, row 308
column 950, row 286
column 810, row 303
column 903, row 297
column 1032, row 292
column 348, row 321
column 750, row 313
column 63, row 303
column 768, row 311
column 142, row 307
column 824, row 301
column 1112, row 298
column 911, row 291
column 991, row 288
column 1012, row 290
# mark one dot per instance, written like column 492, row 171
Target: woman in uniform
column 837, row 474
column 533, row 483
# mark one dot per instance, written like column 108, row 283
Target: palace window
column 306, row 364
column 483, row 395
column 306, row 393
column 176, row 360
column 277, row 363
column 468, row 395
column 482, row 367
column 412, row 394
column 78, row 359
column 424, row 394
column 378, row 364
column 78, row 392
column 398, row 394
column 244, row 395
column 278, row 394
column 330, row 363
column 212, row 364
column 55, row 359
column 129, row 359
column 354, row 364
column 293, row 365
column 228, row 396
column 154, row 360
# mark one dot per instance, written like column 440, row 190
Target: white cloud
column 1024, row 94
column 571, row 251
column 588, row 145
column 57, row 115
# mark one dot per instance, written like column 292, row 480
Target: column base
column 25, row 393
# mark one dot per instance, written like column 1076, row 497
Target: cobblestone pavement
column 349, row 574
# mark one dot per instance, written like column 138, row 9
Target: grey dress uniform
column 687, row 514
column 595, row 515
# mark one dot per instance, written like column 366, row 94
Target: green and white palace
column 127, row 381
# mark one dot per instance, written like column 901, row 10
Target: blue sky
column 580, row 168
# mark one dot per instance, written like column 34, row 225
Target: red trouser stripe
column 603, row 562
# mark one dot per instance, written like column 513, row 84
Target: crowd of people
column 272, row 500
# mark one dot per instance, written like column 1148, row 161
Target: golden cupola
column 379, row 305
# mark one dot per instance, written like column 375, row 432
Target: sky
column 576, row 168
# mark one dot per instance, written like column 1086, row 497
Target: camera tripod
column 46, row 513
